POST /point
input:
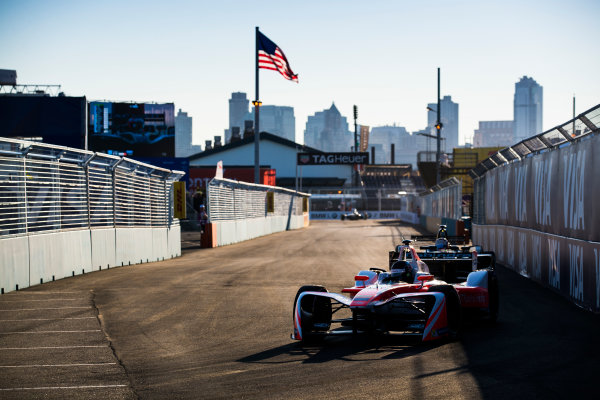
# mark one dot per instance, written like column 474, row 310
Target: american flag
column 270, row 56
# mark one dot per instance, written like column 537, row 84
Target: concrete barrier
column 30, row 260
column 103, row 248
column 59, row 255
column 568, row 266
column 222, row 233
column 173, row 242
column 14, row 259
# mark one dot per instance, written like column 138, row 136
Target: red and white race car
column 407, row 299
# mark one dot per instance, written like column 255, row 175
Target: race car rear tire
column 493, row 262
column 343, row 217
column 494, row 296
column 453, row 309
column 315, row 312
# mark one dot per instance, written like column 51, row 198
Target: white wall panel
column 103, row 248
column 14, row 263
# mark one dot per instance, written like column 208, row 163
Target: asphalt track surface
column 216, row 324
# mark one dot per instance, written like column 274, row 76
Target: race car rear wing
column 431, row 238
column 452, row 266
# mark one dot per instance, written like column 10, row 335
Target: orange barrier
column 209, row 237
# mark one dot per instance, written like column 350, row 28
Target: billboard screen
column 56, row 120
column 132, row 129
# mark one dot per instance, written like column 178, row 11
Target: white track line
column 38, row 293
column 44, row 319
column 53, row 347
column 64, row 387
column 47, row 308
column 56, row 365
column 21, row 301
column 36, row 332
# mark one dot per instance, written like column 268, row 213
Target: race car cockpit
column 401, row 271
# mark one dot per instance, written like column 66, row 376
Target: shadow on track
column 345, row 349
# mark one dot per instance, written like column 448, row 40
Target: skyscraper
column 238, row 112
column 494, row 134
column 278, row 120
column 327, row 130
column 386, row 136
column 183, row 136
column 528, row 105
column 449, row 119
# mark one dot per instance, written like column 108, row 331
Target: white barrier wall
column 173, row 242
column 240, row 211
column 59, row 255
column 30, row 260
column 103, row 248
column 14, row 259
column 67, row 211
column 229, row 232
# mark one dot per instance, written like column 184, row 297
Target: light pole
column 355, row 142
column 438, row 128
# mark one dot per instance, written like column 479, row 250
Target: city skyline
column 381, row 56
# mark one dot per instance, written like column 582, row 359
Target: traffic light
column 438, row 126
column 355, row 113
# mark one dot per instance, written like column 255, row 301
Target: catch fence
column 239, row 211
column 65, row 212
column 230, row 200
column 46, row 188
column 535, row 206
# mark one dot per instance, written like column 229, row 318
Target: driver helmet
column 441, row 243
column 402, row 270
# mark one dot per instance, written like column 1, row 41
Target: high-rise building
column 449, row 119
column 183, row 136
column 238, row 112
column 327, row 130
column 528, row 105
column 494, row 134
column 386, row 136
column 278, row 120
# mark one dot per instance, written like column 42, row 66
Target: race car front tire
column 315, row 312
column 453, row 309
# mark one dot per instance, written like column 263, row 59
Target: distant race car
column 407, row 299
column 442, row 239
column 448, row 261
column 354, row 215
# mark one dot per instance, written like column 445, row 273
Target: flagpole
column 256, row 103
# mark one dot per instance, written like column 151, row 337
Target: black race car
column 354, row 215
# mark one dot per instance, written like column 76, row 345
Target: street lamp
column 438, row 127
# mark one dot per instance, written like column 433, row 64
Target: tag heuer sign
column 332, row 158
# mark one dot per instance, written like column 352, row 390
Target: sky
column 379, row 55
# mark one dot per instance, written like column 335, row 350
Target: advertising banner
column 332, row 158
column 568, row 266
column 541, row 217
column 179, row 199
column 53, row 120
column 553, row 192
column 404, row 216
column 132, row 129
column 364, row 138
